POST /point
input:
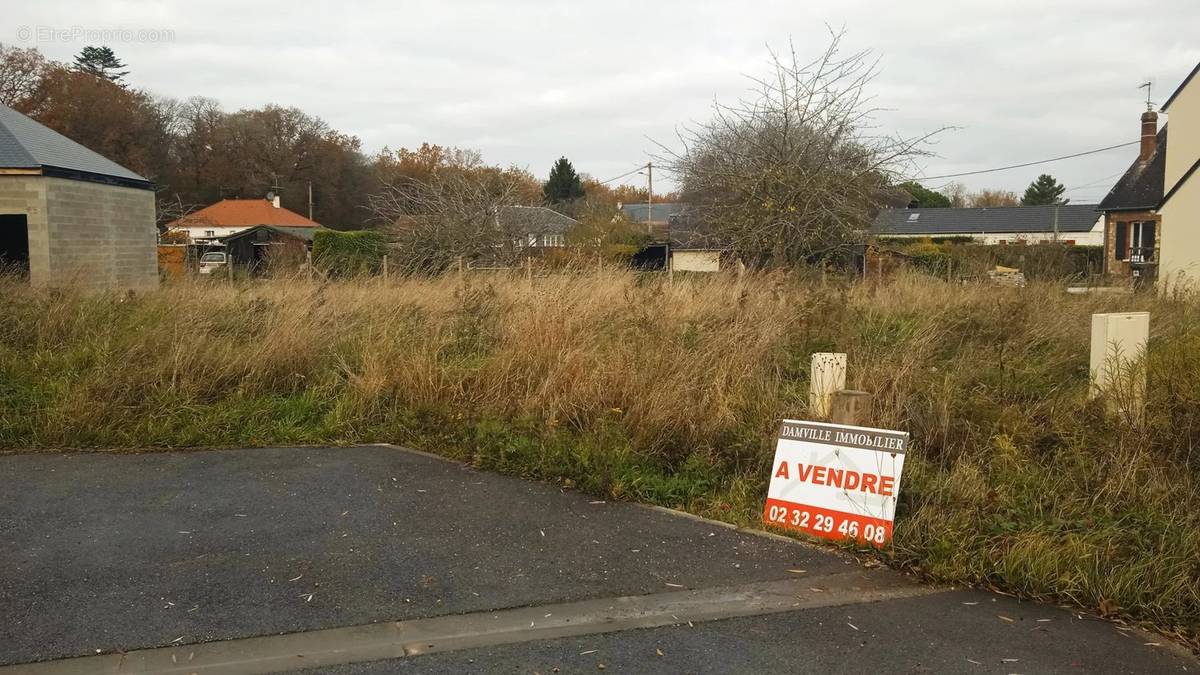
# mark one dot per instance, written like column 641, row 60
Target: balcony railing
column 1141, row 254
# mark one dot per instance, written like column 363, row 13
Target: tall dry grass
column 628, row 386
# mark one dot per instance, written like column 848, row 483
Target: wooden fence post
column 308, row 263
column 385, row 267
column 850, row 407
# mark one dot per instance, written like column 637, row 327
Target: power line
column 627, row 173
column 1096, row 183
column 1040, row 161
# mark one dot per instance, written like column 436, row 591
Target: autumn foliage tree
column 21, row 74
column 197, row 153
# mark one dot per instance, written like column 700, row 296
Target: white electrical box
column 1118, row 343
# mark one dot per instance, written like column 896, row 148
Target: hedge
column 346, row 254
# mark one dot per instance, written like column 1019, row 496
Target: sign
column 836, row 482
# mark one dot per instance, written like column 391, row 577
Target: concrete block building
column 69, row 216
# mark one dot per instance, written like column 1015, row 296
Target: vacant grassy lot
column 668, row 394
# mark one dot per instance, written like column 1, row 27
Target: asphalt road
column 103, row 553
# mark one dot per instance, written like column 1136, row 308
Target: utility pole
column 650, row 197
column 1056, row 223
column 310, row 200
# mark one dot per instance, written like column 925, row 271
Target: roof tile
column 243, row 213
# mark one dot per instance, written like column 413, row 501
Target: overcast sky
column 599, row 82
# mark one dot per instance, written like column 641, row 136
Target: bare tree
column 792, row 172
column 451, row 213
column 993, row 199
column 171, row 207
column 957, row 194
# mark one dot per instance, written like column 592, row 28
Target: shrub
column 347, row 254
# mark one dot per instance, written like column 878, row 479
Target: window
column 210, row 233
column 553, row 240
column 1135, row 241
column 1141, row 239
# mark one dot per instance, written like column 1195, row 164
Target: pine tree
column 564, row 184
column 1044, row 191
column 101, row 62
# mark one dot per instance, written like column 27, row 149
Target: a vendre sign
column 836, row 482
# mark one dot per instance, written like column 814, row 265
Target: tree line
column 198, row 153
column 792, row 173
column 1045, row 190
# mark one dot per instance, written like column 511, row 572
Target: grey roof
column 1002, row 220
column 534, row 220
column 304, row 233
column 26, row 144
column 1141, row 186
column 660, row 212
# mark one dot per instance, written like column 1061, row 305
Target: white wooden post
column 828, row 374
column 1118, row 346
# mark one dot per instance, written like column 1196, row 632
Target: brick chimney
column 1149, row 134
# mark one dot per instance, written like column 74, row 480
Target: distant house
column 1131, row 221
column 1072, row 224
column 689, row 245
column 69, row 215
column 253, row 248
column 535, row 226
column 1179, row 208
column 213, row 223
column 657, row 217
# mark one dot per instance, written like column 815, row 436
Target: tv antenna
column 1147, row 85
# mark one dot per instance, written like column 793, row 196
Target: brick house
column 69, row 215
column 1131, row 219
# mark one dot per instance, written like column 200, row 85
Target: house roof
column 26, row 144
column 1180, row 88
column 534, row 220
column 1141, row 186
column 999, row 220
column 305, row 233
column 660, row 212
column 697, row 240
column 243, row 213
